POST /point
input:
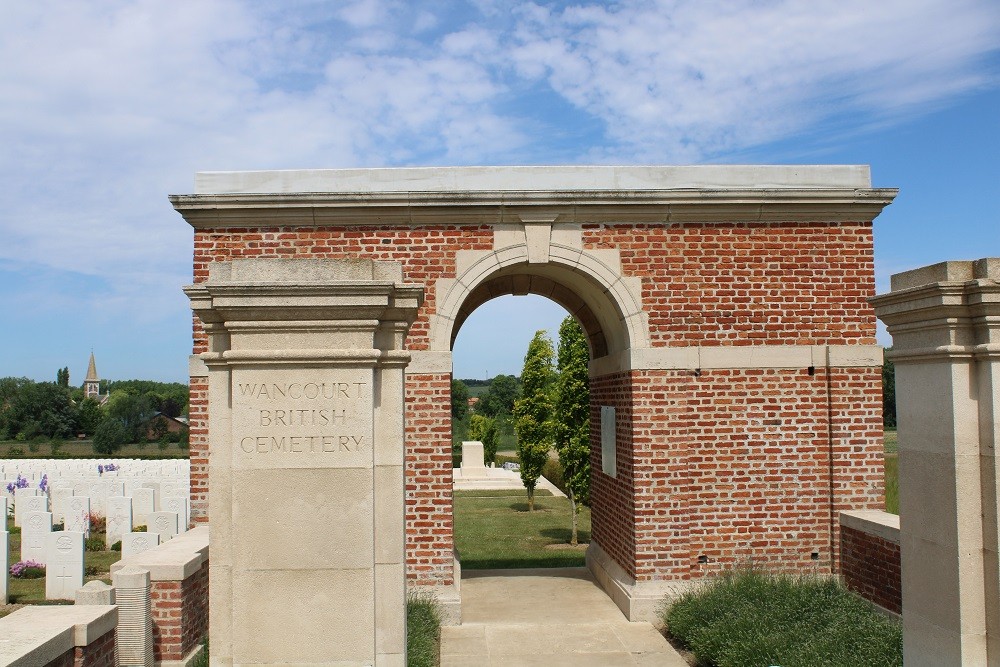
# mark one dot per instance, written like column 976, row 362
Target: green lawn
column 493, row 529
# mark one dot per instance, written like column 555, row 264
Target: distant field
column 84, row 449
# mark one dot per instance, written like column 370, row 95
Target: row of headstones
column 56, row 468
column 69, row 507
column 98, row 491
column 62, row 552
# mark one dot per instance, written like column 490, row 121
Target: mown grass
column 493, row 529
column 892, row 483
column 752, row 618
column 84, row 449
column 423, row 631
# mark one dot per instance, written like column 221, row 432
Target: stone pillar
column 945, row 324
column 305, row 428
column 134, row 642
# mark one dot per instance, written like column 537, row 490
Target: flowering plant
column 43, row 485
column 106, row 467
column 20, row 483
column 27, row 569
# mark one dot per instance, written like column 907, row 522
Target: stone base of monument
column 500, row 479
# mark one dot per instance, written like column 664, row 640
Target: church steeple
column 91, row 384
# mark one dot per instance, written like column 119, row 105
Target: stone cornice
column 312, row 209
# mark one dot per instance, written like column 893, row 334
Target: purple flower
column 100, row 469
column 18, row 568
column 10, row 487
column 44, row 484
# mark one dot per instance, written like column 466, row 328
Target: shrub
column 14, row 452
column 33, row 446
column 27, row 569
column 58, row 526
column 139, row 529
column 98, row 523
column 752, row 618
column 117, row 546
column 56, row 445
column 553, row 471
column 423, row 630
column 95, row 544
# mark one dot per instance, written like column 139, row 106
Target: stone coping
column 174, row 560
column 873, row 522
column 533, row 178
column 37, row 635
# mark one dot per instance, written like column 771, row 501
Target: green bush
column 139, row 529
column 95, row 544
column 117, row 546
column 752, row 618
column 423, row 630
column 553, row 471
column 14, row 452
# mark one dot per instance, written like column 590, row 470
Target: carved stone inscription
column 292, row 418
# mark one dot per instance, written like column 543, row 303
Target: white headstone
column 78, row 515
column 60, row 497
column 4, row 563
column 473, row 465
column 135, row 543
column 64, row 564
column 98, row 493
column 155, row 486
column 119, row 519
column 34, row 532
column 164, row 524
column 143, row 504
column 179, row 506
column 28, row 500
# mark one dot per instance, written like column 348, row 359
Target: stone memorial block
column 4, row 563
column 143, row 504
column 163, row 524
column 119, row 519
column 98, row 493
column 180, row 507
column 34, row 532
column 78, row 515
column 95, row 592
column 59, row 498
column 81, row 487
column 6, row 511
column 28, row 500
column 155, row 486
column 306, row 393
column 64, row 564
column 473, row 461
column 134, row 543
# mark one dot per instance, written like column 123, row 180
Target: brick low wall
column 59, row 636
column 869, row 545
column 178, row 593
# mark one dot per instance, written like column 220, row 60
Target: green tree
column 459, row 400
column 90, row 416
column 110, row 437
column 499, row 398
column 888, row 393
column 30, row 409
column 571, row 415
column 132, row 412
column 533, row 412
column 62, row 377
column 485, row 430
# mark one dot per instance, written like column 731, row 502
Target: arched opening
column 605, row 323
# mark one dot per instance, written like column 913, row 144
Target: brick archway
column 726, row 308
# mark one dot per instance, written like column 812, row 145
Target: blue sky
column 109, row 106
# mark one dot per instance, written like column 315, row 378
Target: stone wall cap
column 533, row 178
column 955, row 271
column 174, row 560
column 873, row 522
column 37, row 635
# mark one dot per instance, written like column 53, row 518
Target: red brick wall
column 750, row 283
column 180, row 615
column 870, row 566
column 198, row 447
column 734, row 467
column 731, row 466
column 99, row 653
column 429, row 524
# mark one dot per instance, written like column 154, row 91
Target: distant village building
column 472, row 401
column 92, row 384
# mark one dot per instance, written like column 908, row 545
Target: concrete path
column 550, row 617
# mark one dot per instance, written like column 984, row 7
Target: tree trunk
column 531, row 500
column 572, row 507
